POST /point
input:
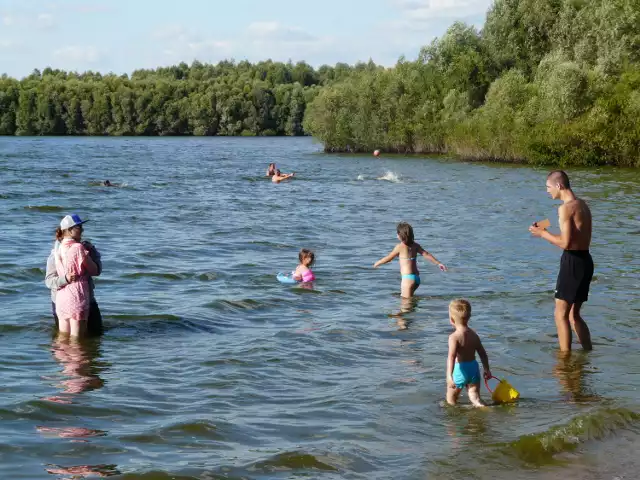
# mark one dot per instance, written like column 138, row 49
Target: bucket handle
column 486, row 382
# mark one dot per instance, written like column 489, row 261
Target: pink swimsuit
column 308, row 276
column 72, row 300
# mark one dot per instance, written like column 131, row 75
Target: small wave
column 207, row 276
column 164, row 276
column 33, row 273
column 540, row 448
column 293, row 461
column 236, row 305
column 44, row 208
column 152, row 317
column 200, row 429
column 360, row 177
column 390, row 177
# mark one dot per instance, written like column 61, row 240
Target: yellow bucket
column 504, row 392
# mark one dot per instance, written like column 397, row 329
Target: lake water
column 209, row 368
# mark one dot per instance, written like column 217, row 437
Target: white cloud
column 282, row 42
column 45, row 21
column 41, row 21
column 182, row 44
column 78, row 54
column 79, row 7
column 429, row 16
column 274, row 31
column 8, row 45
column 431, row 9
column 8, row 20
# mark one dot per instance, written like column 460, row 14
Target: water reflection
column 81, row 471
column 407, row 305
column 466, row 425
column 80, row 367
column 78, row 358
column 570, row 370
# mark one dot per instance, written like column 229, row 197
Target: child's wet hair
column 405, row 232
column 460, row 310
column 59, row 234
column 306, row 253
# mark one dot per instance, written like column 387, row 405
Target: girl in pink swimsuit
column 74, row 263
column 303, row 271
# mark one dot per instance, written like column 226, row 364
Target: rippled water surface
column 209, row 368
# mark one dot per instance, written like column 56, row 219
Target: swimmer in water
column 303, row 271
column 278, row 177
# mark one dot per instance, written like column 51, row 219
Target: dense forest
column 544, row 81
column 267, row 98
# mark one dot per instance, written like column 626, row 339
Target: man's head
column 460, row 312
column 556, row 182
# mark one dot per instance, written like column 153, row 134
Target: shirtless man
column 278, row 177
column 576, row 265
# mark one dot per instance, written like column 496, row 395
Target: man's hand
column 487, row 374
column 450, row 383
column 536, row 231
column 442, row 267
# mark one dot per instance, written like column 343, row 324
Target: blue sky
column 123, row 35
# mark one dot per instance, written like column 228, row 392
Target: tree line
column 544, row 81
column 266, row 98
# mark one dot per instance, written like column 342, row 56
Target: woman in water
column 73, row 263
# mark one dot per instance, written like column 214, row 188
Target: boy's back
column 468, row 344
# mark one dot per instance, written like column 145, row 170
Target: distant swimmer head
column 307, row 257
column 405, row 233
column 107, row 183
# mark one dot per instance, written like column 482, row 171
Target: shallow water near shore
column 209, row 368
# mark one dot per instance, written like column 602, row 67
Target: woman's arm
column 431, row 258
column 90, row 266
column 52, row 280
column 394, row 253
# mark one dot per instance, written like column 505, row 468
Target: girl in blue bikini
column 407, row 251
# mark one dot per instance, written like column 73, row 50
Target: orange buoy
column 376, row 153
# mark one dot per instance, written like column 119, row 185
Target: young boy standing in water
column 462, row 367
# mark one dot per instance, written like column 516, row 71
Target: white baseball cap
column 71, row 221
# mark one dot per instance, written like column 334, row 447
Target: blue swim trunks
column 466, row 373
column 412, row 276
